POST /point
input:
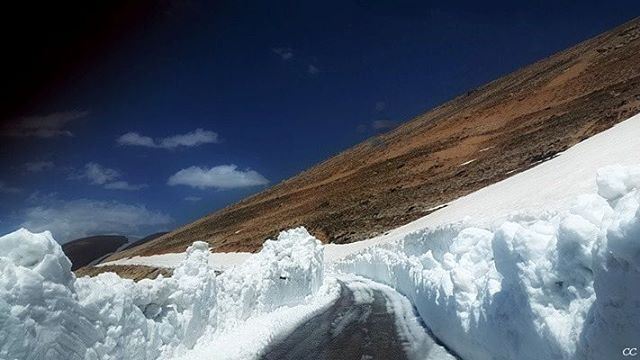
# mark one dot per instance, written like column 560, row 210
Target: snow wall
column 46, row 313
column 539, row 286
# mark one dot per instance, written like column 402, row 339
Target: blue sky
column 221, row 101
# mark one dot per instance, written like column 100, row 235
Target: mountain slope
column 144, row 240
column 83, row 251
column 463, row 145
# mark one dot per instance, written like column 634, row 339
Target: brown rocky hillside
column 463, row 145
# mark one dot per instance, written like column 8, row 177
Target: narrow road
column 353, row 329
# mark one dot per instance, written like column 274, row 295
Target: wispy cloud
column 192, row 198
column 220, row 177
column 302, row 62
column 4, row 188
column 285, row 53
column 380, row 106
column 383, row 124
column 377, row 126
column 312, row 69
column 108, row 178
column 38, row 166
column 98, row 174
column 135, row 139
column 72, row 219
column 190, row 139
column 123, row 185
column 45, row 126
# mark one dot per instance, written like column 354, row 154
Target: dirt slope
column 463, row 145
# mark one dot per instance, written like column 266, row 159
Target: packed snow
column 467, row 162
column 542, row 285
column 45, row 312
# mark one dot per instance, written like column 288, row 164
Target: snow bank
column 285, row 272
column 562, row 285
column 614, row 321
column 39, row 313
column 45, row 312
column 251, row 338
column 151, row 318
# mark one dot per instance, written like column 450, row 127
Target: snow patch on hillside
column 541, row 285
column 220, row 261
column 45, row 312
column 550, row 185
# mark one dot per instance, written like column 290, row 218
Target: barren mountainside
column 461, row 146
column 83, row 251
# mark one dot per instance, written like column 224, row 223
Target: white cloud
column 192, row 198
column 219, row 177
column 38, row 166
column 68, row 220
column 45, row 126
column 193, row 138
column 190, row 139
column 97, row 174
column 4, row 188
column 285, row 53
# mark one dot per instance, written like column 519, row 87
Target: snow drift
column 288, row 271
column 562, row 285
column 45, row 312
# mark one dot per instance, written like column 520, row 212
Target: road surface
column 354, row 328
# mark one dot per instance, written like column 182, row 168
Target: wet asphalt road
column 346, row 331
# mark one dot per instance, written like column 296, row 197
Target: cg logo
column 630, row 352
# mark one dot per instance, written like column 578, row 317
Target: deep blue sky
column 284, row 85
